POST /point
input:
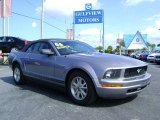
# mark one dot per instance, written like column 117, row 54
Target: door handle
column 36, row 63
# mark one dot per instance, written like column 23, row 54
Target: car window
column 45, row 45
column 9, row 39
column 34, row 48
column 2, row 39
column 37, row 47
column 30, row 49
column 72, row 47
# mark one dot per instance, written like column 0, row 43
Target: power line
column 25, row 16
column 39, row 20
column 34, row 6
column 30, row 3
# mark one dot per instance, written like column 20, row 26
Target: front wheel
column 81, row 89
column 18, row 75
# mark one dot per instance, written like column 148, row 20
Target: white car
column 152, row 57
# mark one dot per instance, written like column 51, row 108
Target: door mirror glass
column 47, row 52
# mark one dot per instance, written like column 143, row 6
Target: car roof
column 47, row 40
column 12, row 37
column 55, row 40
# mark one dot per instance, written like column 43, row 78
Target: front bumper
column 151, row 59
column 157, row 60
column 130, row 88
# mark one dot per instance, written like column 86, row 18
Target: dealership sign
column 88, row 15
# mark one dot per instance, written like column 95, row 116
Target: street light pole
column 3, row 17
column 42, row 13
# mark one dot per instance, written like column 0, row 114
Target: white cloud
column 154, row 17
column 153, row 32
column 93, row 31
column 135, row 2
column 93, row 37
column 90, row 36
column 157, row 22
column 62, row 7
column 34, row 24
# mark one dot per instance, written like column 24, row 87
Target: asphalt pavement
column 39, row 102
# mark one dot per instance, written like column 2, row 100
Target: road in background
column 39, row 102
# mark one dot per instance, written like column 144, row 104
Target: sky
column 120, row 17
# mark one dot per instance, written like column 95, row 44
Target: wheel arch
column 78, row 69
column 15, row 63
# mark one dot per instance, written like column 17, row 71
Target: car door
column 39, row 65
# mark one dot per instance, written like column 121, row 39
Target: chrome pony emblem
column 139, row 70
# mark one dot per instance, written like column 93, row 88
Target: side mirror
column 47, row 52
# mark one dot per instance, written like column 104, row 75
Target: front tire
column 81, row 88
column 18, row 75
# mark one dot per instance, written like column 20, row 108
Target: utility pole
column 42, row 16
column 100, row 38
column 8, row 26
column 3, row 17
column 120, row 50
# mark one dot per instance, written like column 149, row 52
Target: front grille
column 157, row 56
column 131, row 72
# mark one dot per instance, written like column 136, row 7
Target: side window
column 37, row 47
column 30, row 49
column 1, row 39
column 45, row 46
column 10, row 40
column 34, row 48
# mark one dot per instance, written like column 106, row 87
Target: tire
column 18, row 75
column 81, row 89
column 158, row 63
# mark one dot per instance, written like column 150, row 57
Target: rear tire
column 158, row 63
column 81, row 89
column 18, row 75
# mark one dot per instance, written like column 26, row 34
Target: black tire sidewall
column 91, row 94
column 21, row 81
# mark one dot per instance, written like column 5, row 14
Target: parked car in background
column 1, row 53
column 78, row 68
column 134, row 54
column 137, row 54
column 143, row 56
column 152, row 56
column 7, row 43
column 157, row 58
column 1, row 56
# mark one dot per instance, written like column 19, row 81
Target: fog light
column 111, row 85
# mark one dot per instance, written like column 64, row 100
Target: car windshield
column 73, row 47
column 1, row 39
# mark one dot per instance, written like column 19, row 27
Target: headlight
column 112, row 74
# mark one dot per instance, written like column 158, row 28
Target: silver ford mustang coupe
column 77, row 67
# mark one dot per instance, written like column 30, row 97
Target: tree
column 109, row 49
column 151, row 46
column 122, row 43
column 117, row 49
column 99, row 48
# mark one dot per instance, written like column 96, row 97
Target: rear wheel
column 81, row 89
column 18, row 75
column 158, row 63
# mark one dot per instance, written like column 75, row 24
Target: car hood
column 154, row 54
column 107, row 60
